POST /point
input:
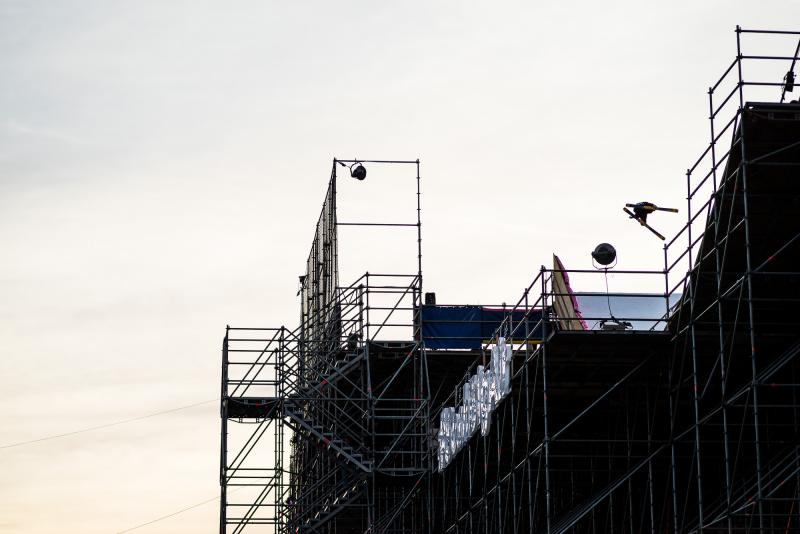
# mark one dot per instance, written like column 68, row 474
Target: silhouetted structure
column 689, row 422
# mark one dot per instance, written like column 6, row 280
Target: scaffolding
column 687, row 421
column 347, row 410
column 691, row 429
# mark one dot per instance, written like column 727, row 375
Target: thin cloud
column 49, row 134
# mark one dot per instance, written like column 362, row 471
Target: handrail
column 510, row 331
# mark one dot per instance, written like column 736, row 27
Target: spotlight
column 302, row 284
column 358, row 171
column 604, row 254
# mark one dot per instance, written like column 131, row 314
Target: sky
column 162, row 165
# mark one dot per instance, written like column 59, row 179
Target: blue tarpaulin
column 467, row 327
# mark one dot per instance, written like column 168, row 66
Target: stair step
column 338, row 444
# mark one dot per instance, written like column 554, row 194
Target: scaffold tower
column 384, row 411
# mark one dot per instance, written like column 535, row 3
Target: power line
column 107, row 425
column 169, row 515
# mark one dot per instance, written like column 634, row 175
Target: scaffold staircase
column 329, row 439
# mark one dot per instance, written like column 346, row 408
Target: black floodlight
column 604, row 257
column 358, row 171
column 604, row 254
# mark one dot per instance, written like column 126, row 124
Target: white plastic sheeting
column 480, row 397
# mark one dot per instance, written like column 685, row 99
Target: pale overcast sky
column 162, row 164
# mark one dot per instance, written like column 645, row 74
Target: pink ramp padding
column 558, row 266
